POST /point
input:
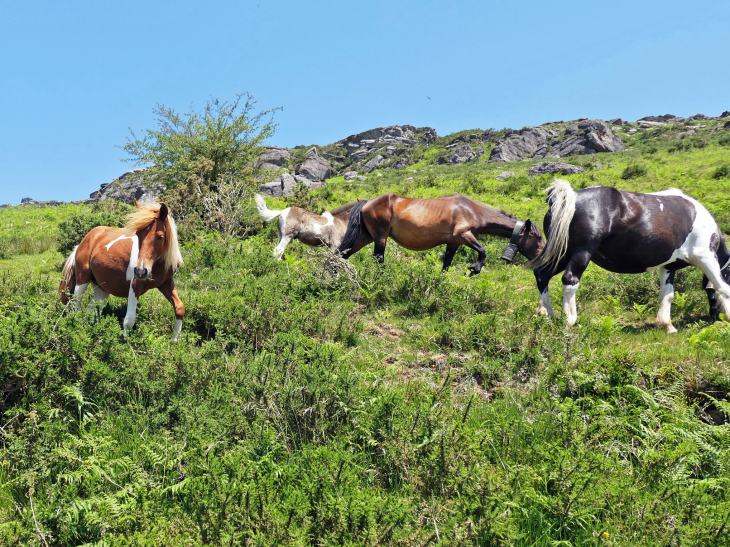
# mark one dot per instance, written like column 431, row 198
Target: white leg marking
column 176, row 329
column 79, row 291
column 545, row 306
column 281, row 247
column 569, row 307
column 100, row 295
column 666, row 295
column 131, row 316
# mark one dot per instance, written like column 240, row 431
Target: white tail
column 68, row 266
column 267, row 214
column 561, row 197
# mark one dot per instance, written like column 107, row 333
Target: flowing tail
column 352, row 233
column 68, row 284
column 267, row 214
column 561, row 198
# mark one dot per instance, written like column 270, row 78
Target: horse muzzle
column 142, row 273
column 510, row 251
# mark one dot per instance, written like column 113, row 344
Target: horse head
column 157, row 235
column 527, row 239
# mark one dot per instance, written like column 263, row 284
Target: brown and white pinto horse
column 628, row 232
column 422, row 224
column 324, row 230
column 127, row 262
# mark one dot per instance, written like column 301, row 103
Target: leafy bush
column 722, row 172
column 72, row 231
column 634, row 171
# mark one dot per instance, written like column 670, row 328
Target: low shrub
column 634, row 171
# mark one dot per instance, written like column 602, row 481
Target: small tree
column 226, row 137
column 201, row 153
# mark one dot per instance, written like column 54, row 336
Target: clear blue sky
column 74, row 75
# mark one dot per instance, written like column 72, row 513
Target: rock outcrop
column 316, row 169
column 553, row 167
column 131, row 185
column 460, row 154
column 584, row 137
column 284, row 185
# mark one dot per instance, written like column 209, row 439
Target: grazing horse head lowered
column 127, row 262
column 628, row 232
column 324, row 230
column 422, row 224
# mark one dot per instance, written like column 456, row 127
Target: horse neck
column 495, row 222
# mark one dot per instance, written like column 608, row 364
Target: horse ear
column 528, row 226
column 136, row 203
column 164, row 211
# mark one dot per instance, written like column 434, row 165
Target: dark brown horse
column 422, row 224
column 127, row 262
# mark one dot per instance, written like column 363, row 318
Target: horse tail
column 68, row 284
column 561, row 198
column 267, row 214
column 352, row 232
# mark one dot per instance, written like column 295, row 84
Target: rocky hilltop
column 400, row 146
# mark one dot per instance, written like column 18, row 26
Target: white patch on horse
column 545, row 306
column 697, row 248
column 319, row 228
column 133, row 255
column 176, row 329
column 666, row 295
column 79, row 291
column 131, row 316
column 569, row 307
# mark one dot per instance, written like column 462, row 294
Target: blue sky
column 74, row 75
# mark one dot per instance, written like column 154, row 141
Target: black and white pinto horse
column 627, row 232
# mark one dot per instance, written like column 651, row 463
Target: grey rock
column 726, row 125
column 373, row 164
column 505, row 175
column 662, row 119
column 361, row 153
column 312, row 152
column 28, row 201
column 461, row 154
column 402, row 163
column 410, row 179
column 685, row 134
column 548, row 167
column 134, row 184
column 480, row 151
column 275, row 155
column 394, row 151
column 725, row 114
column 350, row 175
column 645, row 124
column 520, row 145
column 699, row 117
column 617, row 121
column 285, row 184
column 333, row 159
column 361, row 178
column 316, row 169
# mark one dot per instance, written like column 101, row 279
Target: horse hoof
column 671, row 329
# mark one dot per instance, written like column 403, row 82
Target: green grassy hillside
column 312, row 402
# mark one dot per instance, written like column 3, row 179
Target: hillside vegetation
column 319, row 402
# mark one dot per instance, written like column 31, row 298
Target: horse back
column 631, row 232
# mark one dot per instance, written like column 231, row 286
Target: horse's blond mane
column 145, row 215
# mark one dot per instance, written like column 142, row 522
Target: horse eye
column 159, row 237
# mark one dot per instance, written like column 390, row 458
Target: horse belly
column 416, row 237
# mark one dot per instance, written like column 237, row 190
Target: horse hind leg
column 448, row 258
column 666, row 295
column 100, row 296
column 711, row 268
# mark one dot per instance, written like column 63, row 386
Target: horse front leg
column 577, row 264
column 131, row 315
column 711, row 298
column 473, row 243
column 448, row 258
column 666, row 295
column 544, row 305
column 379, row 249
column 170, row 291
